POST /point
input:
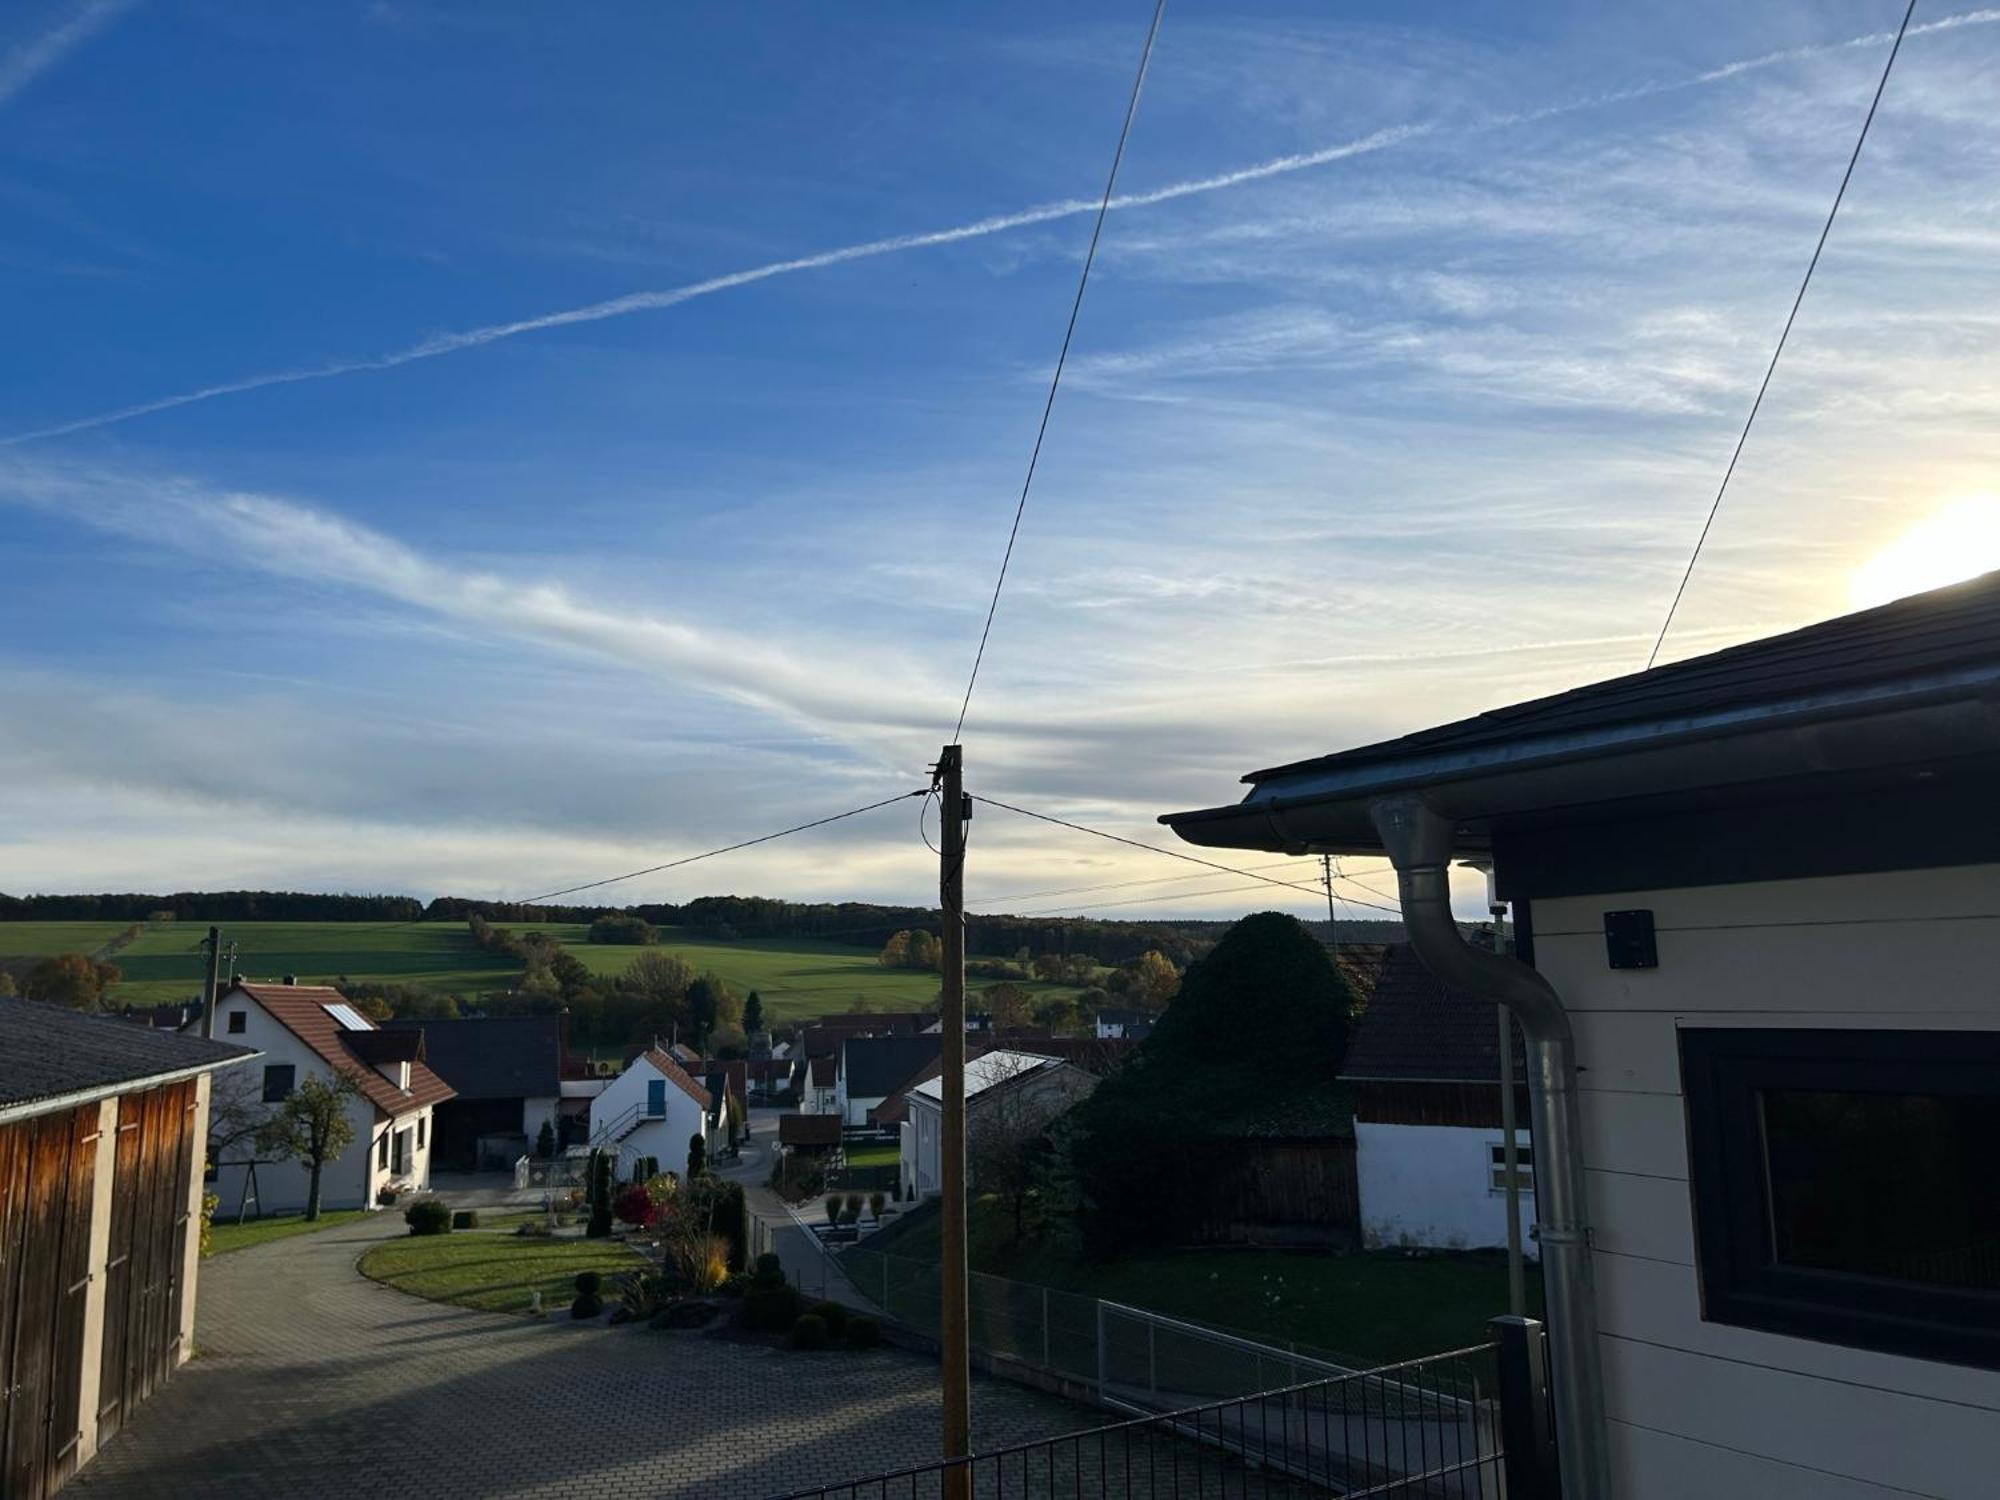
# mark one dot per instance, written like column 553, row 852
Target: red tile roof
column 301, row 1010
column 678, row 1076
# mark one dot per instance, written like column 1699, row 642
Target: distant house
column 870, row 1067
column 820, row 1093
column 507, row 1074
column 1423, row 1069
column 1002, row 1090
column 1124, row 1025
column 1756, row 897
column 101, row 1132
column 310, row 1030
column 652, row 1109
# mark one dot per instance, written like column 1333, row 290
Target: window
column 1524, row 1166
column 401, row 1162
column 420, row 1131
column 278, row 1082
column 382, row 1152
column 1842, row 1183
column 237, row 1021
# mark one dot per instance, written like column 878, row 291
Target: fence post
column 1527, row 1431
column 1103, row 1370
column 1152, row 1362
column 885, row 1284
column 1046, row 1363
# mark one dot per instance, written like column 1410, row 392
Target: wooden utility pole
column 953, row 1320
column 213, row 944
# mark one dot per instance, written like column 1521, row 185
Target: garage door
column 46, row 1169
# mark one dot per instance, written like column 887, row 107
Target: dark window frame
column 1724, row 1070
column 239, row 1022
column 272, row 1072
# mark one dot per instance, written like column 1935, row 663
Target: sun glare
column 1959, row 542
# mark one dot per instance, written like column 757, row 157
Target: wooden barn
column 102, row 1130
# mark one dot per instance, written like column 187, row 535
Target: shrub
column 770, row 1309
column 599, row 1226
column 588, row 1283
column 876, row 1203
column 809, row 1333
column 770, row 1270
column 853, row 1208
column 465, row 1218
column 428, row 1216
column 833, row 1202
column 863, row 1333
column 735, row 1284
column 635, row 1206
column 701, row 1261
column 833, row 1314
column 586, row 1307
column 641, row 1294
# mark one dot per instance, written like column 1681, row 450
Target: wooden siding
column 1474, row 1105
column 149, row 1230
column 1284, row 1192
column 47, row 1171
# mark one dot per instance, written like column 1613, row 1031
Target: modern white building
column 652, row 1109
column 310, row 1030
column 1757, row 897
column 1003, row 1090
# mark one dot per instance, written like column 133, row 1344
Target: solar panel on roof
column 349, row 1018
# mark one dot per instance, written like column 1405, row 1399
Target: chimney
column 290, row 979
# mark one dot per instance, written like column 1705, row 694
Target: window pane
column 1881, row 1184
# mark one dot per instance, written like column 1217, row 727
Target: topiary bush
column 735, row 1284
column 465, row 1218
column 833, row 1314
column 809, row 1333
column 771, row 1309
column 428, row 1216
column 769, row 1269
column 586, row 1307
column 863, row 1333
column 876, row 1203
column 599, row 1226
column 588, row 1283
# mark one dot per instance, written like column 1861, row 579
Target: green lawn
column 797, row 978
column 494, row 1271
column 225, row 1235
column 1374, row 1306
column 883, row 1155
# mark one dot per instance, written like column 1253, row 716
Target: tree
column 72, row 979
column 569, row 972
column 895, row 953
column 1006, row 1144
column 312, row 1127
column 545, row 1142
column 615, row 927
column 1007, row 1004
column 659, row 976
column 1153, row 979
column 753, row 1013
column 697, row 1156
column 237, row 1113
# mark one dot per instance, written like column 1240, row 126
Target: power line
column 1062, row 358
column 1771, row 369
column 1117, row 885
column 1119, row 838
column 1226, row 890
column 675, row 864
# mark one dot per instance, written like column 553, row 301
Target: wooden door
column 47, row 1171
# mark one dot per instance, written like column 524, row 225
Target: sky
column 485, row 447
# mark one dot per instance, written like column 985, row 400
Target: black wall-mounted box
column 1628, row 940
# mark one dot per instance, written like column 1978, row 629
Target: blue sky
column 551, row 521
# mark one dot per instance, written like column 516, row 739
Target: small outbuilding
column 102, row 1126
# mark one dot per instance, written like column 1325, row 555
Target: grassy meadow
column 798, row 978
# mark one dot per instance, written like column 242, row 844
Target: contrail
column 653, row 301
column 25, row 61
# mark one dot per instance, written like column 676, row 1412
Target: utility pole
column 1326, row 879
column 213, row 943
column 954, row 808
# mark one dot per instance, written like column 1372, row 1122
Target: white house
column 651, row 1109
column 1119, row 1024
column 506, row 1073
column 1423, row 1066
column 870, row 1067
column 306, row 1031
column 819, row 1087
column 1003, row 1090
column 1757, row 904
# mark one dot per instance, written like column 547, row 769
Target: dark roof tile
column 47, row 1052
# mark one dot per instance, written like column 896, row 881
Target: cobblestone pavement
column 311, row 1380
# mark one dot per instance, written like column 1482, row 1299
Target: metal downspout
column 1418, row 840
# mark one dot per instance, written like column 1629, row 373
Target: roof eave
column 75, row 1099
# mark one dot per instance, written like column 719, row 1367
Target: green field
column 798, row 978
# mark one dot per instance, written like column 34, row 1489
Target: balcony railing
column 1426, row 1427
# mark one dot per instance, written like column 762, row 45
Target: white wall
column 1722, row 1413
column 1431, row 1185
column 665, row 1137
column 350, row 1180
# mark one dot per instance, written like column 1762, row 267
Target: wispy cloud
column 1370, row 143
column 26, row 61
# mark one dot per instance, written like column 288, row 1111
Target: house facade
column 870, row 1067
column 506, row 1073
column 1757, row 898
column 101, row 1131
column 1423, row 1071
column 1003, row 1090
column 652, row 1109
column 310, row 1031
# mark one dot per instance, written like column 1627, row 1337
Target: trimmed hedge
column 809, row 1333
column 833, row 1314
column 428, row 1216
column 863, row 1333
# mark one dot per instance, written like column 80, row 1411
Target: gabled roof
column 823, row 1071
column 676, row 1075
column 809, row 1130
column 991, row 1070
column 1417, row 1029
column 876, row 1064
column 302, row 1010
column 494, row 1057
column 48, row 1054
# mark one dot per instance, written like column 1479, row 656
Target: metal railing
column 1373, row 1433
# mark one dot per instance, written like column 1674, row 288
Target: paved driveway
column 311, row 1380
